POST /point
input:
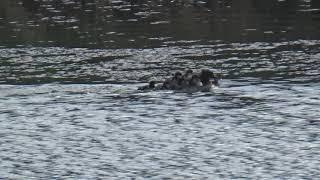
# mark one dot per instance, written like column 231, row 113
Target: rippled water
column 69, row 107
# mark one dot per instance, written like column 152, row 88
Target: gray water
column 70, row 109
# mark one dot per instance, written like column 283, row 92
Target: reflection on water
column 69, row 107
column 142, row 23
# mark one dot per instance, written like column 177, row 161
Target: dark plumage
column 202, row 81
column 205, row 76
column 195, row 81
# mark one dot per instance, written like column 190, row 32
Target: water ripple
column 294, row 61
column 83, row 131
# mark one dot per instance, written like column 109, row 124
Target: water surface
column 69, row 107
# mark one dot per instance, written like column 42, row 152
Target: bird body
column 189, row 81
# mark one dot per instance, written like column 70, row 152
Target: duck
column 188, row 74
column 174, row 82
column 194, row 85
column 186, row 78
column 205, row 77
column 202, row 81
column 195, row 81
column 208, row 79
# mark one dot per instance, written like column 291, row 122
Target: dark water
column 146, row 24
column 69, row 108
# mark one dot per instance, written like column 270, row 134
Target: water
column 69, row 107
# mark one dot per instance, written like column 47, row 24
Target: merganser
column 186, row 78
column 205, row 77
column 174, row 82
column 188, row 81
column 195, row 81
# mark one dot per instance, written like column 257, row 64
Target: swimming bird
column 202, row 81
column 174, row 82
column 205, row 77
column 195, row 81
column 186, row 78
